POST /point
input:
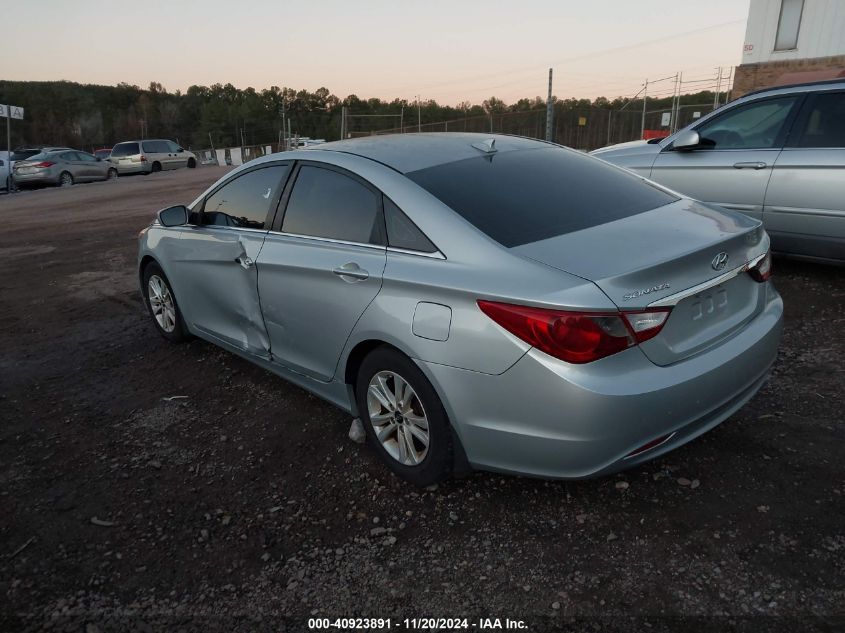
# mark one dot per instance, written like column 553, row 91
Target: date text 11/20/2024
column 416, row 624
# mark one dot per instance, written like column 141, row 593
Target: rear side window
column 325, row 203
column 245, row 200
column 71, row 156
column 524, row 196
column 125, row 149
column 402, row 233
column 155, row 147
column 825, row 122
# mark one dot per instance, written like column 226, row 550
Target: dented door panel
column 216, row 284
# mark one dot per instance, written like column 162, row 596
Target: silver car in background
column 152, row 155
column 62, row 168
column 496, row 302
column 776, row 155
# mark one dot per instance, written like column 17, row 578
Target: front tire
column 162, row 306
column 403, row 417
column 111, row 174
column 191, row 163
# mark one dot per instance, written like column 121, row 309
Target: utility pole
column 718, row 87
column 549, row 109
column 212, row 145
column 282, row 131
column 402, row 120
column 242, row 138
column 677, row 118
column 419, row 115
column 645, row 99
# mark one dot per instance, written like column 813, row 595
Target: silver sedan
column 62, row 168
column 481, row 302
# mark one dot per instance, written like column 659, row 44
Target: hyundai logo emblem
column 720, row 261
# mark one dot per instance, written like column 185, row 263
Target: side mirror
column 173, row 216
column 99, row 160
column 688, row 140
column 180, row 150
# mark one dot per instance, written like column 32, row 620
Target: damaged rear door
column 214, row 274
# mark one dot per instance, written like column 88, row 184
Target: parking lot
column 149, row 484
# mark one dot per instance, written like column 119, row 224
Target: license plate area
column 709, row 304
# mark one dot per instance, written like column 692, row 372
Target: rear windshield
column 23, row 154
column 524, row 196
column 125, row 149
column 39, row 156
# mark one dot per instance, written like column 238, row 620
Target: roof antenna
column 488, row 146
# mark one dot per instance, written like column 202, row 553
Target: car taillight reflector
column 45, row 163
column 650, row 445
column 763, row 270
column 575, row 337
column 143, row 158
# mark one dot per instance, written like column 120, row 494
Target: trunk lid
column 647, row 257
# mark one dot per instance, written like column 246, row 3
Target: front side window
column 758, row 125
column 245, row 201
column 325, row 203
column 173, row 147
column 789, row 24
column 825, row 122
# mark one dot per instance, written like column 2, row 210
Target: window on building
column 789, row 24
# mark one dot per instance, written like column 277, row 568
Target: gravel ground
column 241, row 504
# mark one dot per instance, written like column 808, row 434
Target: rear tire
column 111, row 174
column 65, row 179
column 161, row 304
column 403, row 417
column 156, row 167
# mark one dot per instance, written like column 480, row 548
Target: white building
column 791, row 41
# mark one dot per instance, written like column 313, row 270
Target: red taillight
column 143, row 158
column 763, row 269
column 45, row 163
column 576, row 337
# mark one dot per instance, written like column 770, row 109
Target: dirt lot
column 244, row 506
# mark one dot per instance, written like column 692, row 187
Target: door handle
column 245, row 262
column 750, row 165
column 351, row 269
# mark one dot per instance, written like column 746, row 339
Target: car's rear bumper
column 40, row 178
column 548, row 418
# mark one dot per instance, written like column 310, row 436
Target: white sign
column 666, row 119
column 696, row 115
column 16, row 112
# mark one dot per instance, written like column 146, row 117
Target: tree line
column 87, row 116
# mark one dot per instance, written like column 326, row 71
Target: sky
column 449, row 51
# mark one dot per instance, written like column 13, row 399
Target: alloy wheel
column 161, row 303
column 398, row 418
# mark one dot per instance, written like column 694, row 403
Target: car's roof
column 410, row 152
column 828, row 84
